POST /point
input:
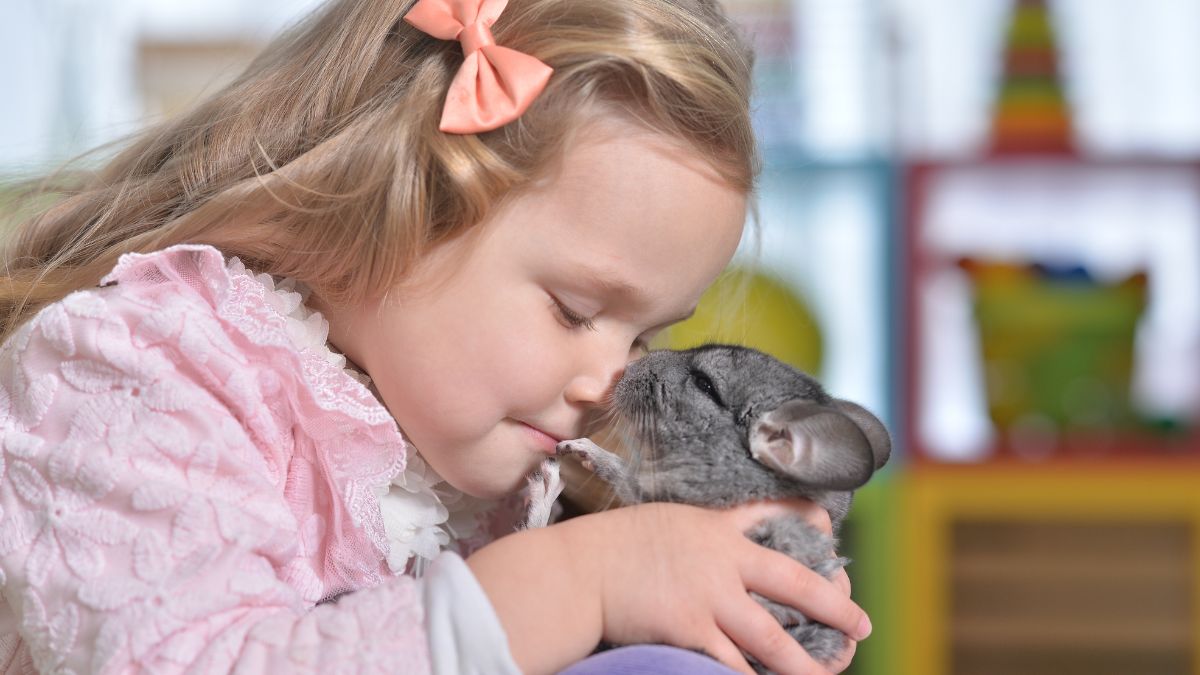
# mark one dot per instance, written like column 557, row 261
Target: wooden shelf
column 1065, row 569
column 1026, row 568
column 1058, row 635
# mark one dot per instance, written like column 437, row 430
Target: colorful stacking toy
column 1031, row 112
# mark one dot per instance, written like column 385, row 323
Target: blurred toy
column 1057, row 347
column 1031, row 112
column 750, row 307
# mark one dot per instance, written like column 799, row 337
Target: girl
column 494, row 207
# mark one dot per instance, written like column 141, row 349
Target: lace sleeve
column 142, row 528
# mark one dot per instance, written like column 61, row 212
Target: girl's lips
column 545, row 442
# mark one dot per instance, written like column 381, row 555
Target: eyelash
column 573, row 319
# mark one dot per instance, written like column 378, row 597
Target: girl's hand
column 656, row 573
column 688, row 588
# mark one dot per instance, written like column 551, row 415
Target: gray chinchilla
column 723, row 425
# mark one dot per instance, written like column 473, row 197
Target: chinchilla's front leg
column 607, row 466
column 543, row 488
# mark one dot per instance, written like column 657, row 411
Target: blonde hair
column 323, row 160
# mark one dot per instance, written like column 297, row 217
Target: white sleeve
column 465, row 635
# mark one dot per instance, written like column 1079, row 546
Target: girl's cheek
column 541, row 361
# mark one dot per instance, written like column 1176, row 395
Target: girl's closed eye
column 570, row 318
column 573, row 319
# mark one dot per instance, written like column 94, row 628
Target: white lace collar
column 422, row 514
column 306, row 328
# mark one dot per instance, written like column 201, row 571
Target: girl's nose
column 590, row 386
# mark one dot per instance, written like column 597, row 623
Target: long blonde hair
column 323, row 160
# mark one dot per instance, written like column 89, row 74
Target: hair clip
column 495, row 85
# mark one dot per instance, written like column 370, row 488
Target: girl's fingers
column 778, row 577
column 758, row 633
column 722, row 649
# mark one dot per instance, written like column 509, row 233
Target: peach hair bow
column 495, row 84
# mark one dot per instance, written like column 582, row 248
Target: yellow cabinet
column 1062, row 570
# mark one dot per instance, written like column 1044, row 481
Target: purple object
column 648, row 660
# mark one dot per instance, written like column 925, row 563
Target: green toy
column 752, row 308
column 1057, row 346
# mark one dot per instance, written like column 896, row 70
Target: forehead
column 634, row 210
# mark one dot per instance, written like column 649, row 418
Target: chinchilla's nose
column 636, row 381
column 644, row 379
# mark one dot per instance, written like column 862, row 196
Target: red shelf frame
column 1127, row 450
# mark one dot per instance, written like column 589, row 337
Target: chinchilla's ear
column 877, row 434
column 820, row 446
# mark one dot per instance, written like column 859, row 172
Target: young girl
column 494, row 207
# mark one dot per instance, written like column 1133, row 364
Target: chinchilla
column 721, row 425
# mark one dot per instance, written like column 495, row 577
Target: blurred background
column 979, row 218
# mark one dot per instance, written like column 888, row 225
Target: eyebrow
column 616, row 286
column 613, row 285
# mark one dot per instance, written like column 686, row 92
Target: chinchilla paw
column 544, row 487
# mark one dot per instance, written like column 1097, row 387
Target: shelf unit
column 1062, row 569
column 1083, row 561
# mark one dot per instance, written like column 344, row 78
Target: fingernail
column 864, row 629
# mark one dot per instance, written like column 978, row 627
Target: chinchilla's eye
column 705, row 384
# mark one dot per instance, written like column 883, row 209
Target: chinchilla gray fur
column 721, row 425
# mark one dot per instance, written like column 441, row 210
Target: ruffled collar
column 306, row 328
column 422, row 514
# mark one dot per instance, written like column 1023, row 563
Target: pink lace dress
column 186, row 472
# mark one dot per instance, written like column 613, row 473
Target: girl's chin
column 488, row 487
column 491, row 479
